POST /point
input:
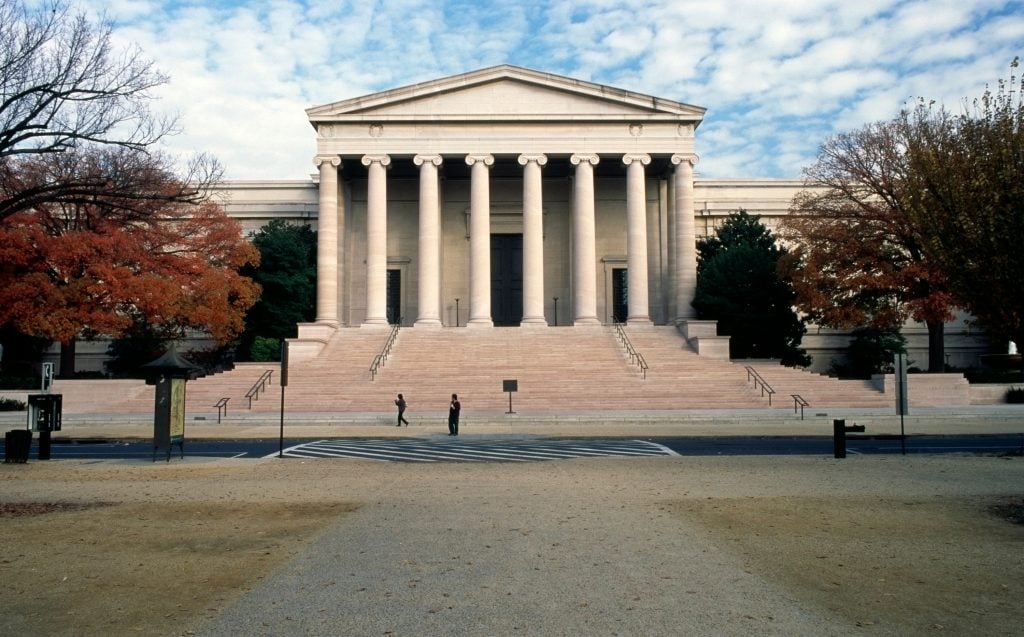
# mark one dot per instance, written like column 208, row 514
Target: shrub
column 19, row 382
column 10, row 404
column 265, row 350
column 870, row 352
column 1015, row 395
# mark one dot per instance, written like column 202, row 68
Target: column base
column 639, row 320
column 477, row 323
column 681, row 319
column 376, row 324
column 533, row 322
column 586, row 320
column 428, row 323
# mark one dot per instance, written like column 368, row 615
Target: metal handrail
column 635, row 357
column 222, row 408
column 765, row 387
column 258, row 386
column 799, row 400
column 382, row 357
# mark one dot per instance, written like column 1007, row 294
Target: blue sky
column 777, row 76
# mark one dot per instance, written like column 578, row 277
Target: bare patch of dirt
column 27, row 509
column 158, row 568
column 891, row 566
column 880, row 546
column 1012, row 511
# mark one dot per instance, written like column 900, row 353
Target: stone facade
column 507, row 189
column 506, row 196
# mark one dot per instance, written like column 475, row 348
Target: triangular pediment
column 504, row 92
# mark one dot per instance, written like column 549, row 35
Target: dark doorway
column 394, row 296
column 620, row 295
column 506, row 279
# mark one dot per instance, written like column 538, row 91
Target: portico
column 484, row 198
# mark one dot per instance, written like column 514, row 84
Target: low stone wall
column 991, row 393
column 928, row 390
column 704, row 339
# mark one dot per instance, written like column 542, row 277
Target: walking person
column 454, row 408
column 400, row 402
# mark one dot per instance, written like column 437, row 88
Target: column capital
column 486, row 160
column 578, row 158
column 540, row 158
column 383, row 160
column 334, row 160
column 691, row 158
column 643, row 158
column 419, row 160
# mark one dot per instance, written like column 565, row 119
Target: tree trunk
column 936, row 347
column 67, row 359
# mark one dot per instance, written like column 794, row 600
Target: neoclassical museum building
column 511, row 197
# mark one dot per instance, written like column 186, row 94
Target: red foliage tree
column 858, row 258
column 80, row 270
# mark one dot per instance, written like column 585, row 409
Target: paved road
column 527, row 448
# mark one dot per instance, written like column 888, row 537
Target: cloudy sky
column 777, row 76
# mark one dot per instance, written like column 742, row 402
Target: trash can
column 17, row 443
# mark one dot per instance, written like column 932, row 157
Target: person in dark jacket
column 453, row 415
column 400, row 403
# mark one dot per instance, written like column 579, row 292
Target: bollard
column 839, row 438
column 43, row 452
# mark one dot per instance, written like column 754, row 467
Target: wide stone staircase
column 557, row 369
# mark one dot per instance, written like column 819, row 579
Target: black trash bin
column 17, row 443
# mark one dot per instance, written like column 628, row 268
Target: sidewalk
column 988, row 419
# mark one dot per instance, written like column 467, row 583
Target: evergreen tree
column 287, row 274
column 738, row 285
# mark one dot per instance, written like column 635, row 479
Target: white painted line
column 663, row 448
column 416, row 453
column 288, row 449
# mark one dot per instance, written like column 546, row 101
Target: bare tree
column 63, row 83
column 68, row 97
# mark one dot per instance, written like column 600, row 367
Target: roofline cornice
column 354, row 106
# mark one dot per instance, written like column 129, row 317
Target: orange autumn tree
column 84, row 269
column 857, row 258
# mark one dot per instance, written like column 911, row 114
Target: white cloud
column 777, row 76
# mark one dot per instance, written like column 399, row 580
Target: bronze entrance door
column 506, row 279
column 620, row 295
column 394, row 296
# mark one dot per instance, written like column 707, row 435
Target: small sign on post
column 511, row 386
column 902, row 402
column 47, row 384
column 284, row 383
column 900, row 367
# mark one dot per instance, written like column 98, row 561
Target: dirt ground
column 880, row 546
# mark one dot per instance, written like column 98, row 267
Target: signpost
column 510, row 386
column 47, row 383
column 284, row 383
column 902, row 402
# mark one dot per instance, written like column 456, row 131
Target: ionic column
column 376, row 239
column 636, row 238
column 584, row 236
column 480, row 241
column 429, row 243
column 533, row 240
column 327, row 240
column 686, row 238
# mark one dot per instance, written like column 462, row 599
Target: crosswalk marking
column 474, row 449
